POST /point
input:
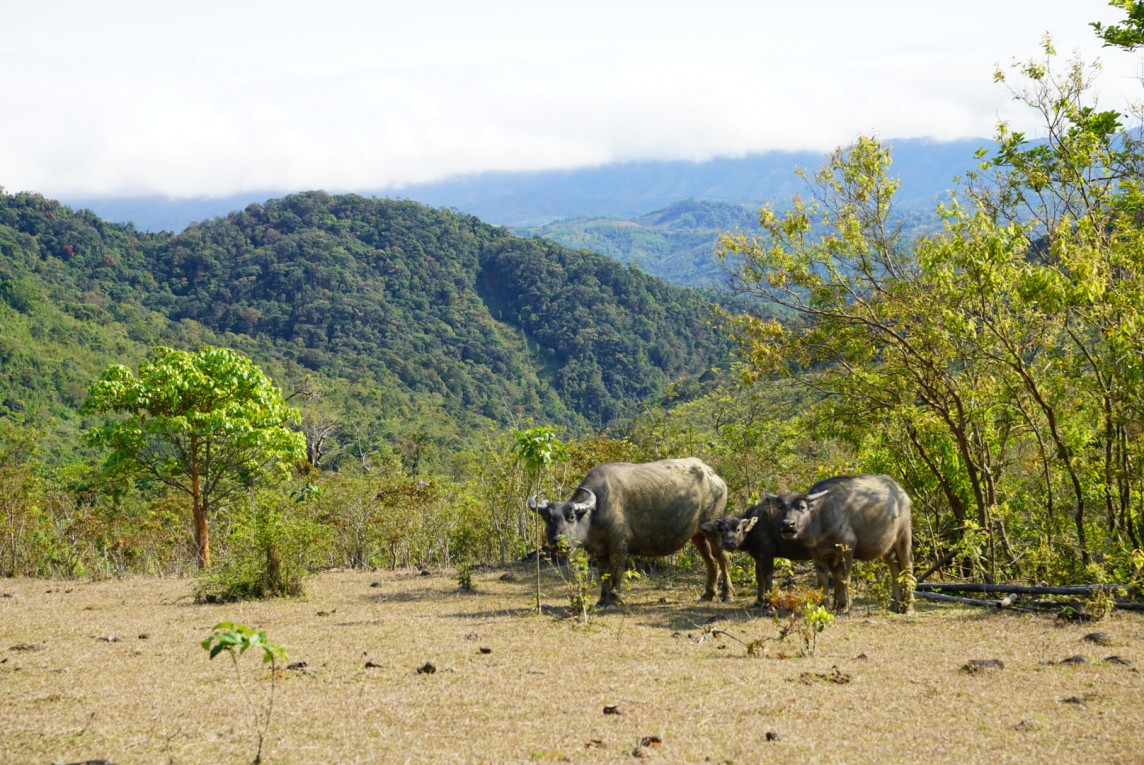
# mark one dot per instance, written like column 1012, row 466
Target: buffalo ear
column 749, row 523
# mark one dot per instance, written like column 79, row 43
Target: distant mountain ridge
column 412, row 319
column 630, row 189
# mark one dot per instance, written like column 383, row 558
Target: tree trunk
column 199, row 510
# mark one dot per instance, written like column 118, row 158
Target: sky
column 204, row 99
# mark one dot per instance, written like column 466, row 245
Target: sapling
column 579, row 585
column 236, row 639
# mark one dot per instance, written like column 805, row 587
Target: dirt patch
column 510, row 686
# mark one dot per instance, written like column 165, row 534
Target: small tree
column 235, row 640
column 538, row 448
column 205, row 423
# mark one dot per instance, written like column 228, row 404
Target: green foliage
column 539, row 448
column 990, row 365
column 797, row 611
column 403, row 323
column 206, row 424
column 235, row 640
column 238, row 638
column 465, row 578
column 268, row 551
column 1128, row 34
column 674, row 243
column 21, row 497
column 578, row 582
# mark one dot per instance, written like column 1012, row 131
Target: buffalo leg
column 901, row 562
column 611, row 577
column 840, row 565
column 764, row 577
column 822, row 574
column 716, row 570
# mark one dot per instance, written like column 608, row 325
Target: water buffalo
column 845, row 518
column 757, row 531
column 648, row 509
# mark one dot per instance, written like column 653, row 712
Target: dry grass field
column 113, row 670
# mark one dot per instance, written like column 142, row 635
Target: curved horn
column 816, row 495
column 587, row 504
column 770, row 496
column 532, row 504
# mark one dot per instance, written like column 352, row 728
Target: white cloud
column 125, row 96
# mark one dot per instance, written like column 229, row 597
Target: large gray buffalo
column 649, row 509
column 848, row 518
column 758, row 532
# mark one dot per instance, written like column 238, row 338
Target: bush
column 269, row 552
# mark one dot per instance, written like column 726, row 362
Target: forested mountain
column 410, row 312
column 675, row 243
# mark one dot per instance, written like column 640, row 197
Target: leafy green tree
column 1079, row 198
column 1000, row 358
column 206, row 423
column 1130, row 33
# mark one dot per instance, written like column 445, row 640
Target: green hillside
column 675, row 243
column 410, row 319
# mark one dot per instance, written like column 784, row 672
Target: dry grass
column 538, row 690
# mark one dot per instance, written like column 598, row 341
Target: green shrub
column 269, row 552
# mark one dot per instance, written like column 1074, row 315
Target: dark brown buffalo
column 848, row 518
column 757, row 532
column 649, row 509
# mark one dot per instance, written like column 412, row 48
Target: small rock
column 612, row 709
column 1118, row 660
column 327, row 613
column 1075, row 700
column 107, row 639
column 651, row 741
column 1025, row 726
column 144, row 636
column 425, row 572
column 977, row 665
column 29, row 647
column 484, row 649
column 375, row 584
column 297, row 665
column 1077, row 659
column 372, row 665
column 772, row 736
column 427, row 668
column 1100, row 638
column 508, row 576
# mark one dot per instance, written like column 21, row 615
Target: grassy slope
column 539, row 693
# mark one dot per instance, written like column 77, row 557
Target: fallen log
column 1026, row 606
column 1003, row 603
column 1022, row 589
